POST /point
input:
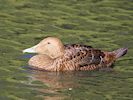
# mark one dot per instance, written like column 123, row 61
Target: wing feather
column 83, row 55
column 78, row 57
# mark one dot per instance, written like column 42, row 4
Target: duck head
column 50, row 46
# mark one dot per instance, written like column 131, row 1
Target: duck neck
column 58, row 52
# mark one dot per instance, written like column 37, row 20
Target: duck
column 53, row 55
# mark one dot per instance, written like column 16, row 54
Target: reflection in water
column 84, row 85
column 65, row 81
column 58, row 80
column 55, row 80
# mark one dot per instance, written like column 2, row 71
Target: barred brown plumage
column 54, row 56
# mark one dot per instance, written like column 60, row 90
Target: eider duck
column 52, row 55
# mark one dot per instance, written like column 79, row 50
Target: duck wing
column 78, row 56
column 76, row 46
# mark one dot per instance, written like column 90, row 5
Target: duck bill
column 30, row 50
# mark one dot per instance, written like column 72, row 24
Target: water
column 87, row 85
column 102, row 24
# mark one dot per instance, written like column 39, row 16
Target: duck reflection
column 56, row 80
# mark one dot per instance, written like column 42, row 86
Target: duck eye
column 48, row 42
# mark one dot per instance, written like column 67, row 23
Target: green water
column 104, row 24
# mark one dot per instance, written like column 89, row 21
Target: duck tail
column 120, row 52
